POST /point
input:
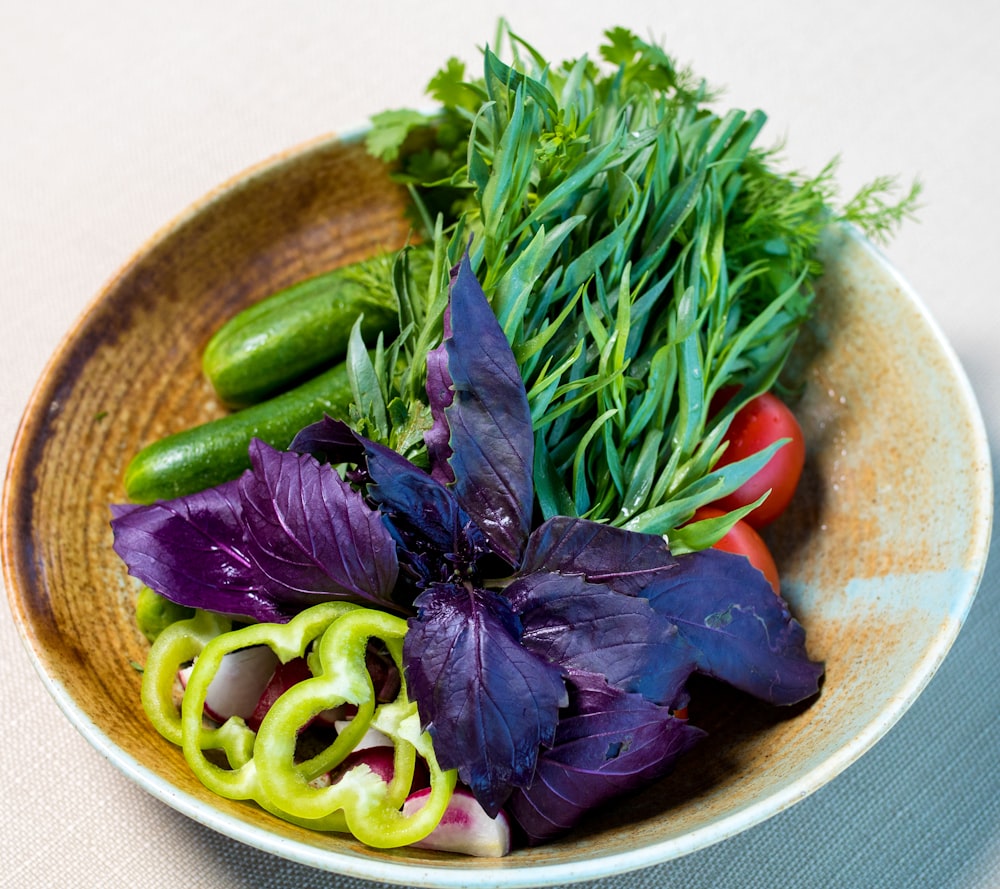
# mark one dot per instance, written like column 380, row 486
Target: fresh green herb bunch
column 640, row 252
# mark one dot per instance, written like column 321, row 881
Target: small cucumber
column 279, row 341
column 218, row 451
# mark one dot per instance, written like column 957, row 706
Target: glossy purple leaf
column 439, row 397
column 488, row 702
column 435, row 535
column 589, row 627
column 330, row 441
column 612, row 744
column 624, row 560
column 739, row 630
column 311, row 536
column 489, row 422
column 192, row 551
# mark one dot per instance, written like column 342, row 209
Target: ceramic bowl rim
column 513, row 875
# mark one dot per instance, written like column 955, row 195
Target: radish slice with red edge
column 381, row 760
column 465, row 828
column 282, row 679
column 239, row 682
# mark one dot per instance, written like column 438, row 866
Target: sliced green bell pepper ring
column 178, row 644
column 262, row 766
column 287, row 641
column 370, row 806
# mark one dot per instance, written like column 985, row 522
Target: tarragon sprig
column 640, row 252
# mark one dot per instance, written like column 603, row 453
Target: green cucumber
column 217, row 451
column 294, row 333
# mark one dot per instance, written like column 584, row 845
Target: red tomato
column 759, row 423
column 743, row 540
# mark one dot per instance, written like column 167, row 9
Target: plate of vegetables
column 513, row 493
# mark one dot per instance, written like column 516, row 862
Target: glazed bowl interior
column 881, row 552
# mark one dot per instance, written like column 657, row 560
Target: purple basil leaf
column 489, row 421
column 624, row 560
column 119, row 510
column 311, row 536
column 612, row 743
column 329, row 440
column 191, row 550
column 488, row 702
column 439, row 397
column 741, row 632
column 589, row 627
column 436, row 535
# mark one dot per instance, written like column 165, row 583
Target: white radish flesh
column 239, row 682
column 465, row 827
column 371, row 738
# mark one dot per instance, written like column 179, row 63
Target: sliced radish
column 465, row 827
column 331, row 717
column 282, row 679
column 239, row 682
column 371, row 738
column 379, row 759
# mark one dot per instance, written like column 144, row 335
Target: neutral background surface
column 115, row 116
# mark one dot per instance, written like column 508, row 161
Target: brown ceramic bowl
column 881, row 580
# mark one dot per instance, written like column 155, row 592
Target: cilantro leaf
column 389, row 130
column 449, row 87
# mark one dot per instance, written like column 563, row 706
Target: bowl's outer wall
column 881, row 550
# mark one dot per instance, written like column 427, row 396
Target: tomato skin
column 758, row 424
column 743, row 540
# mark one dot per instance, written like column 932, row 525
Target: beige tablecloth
column 115, row 116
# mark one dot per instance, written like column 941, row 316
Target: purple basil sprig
column 589, row 627
column 611, row 743
column 490, row 701
column 737, row 631
column 192, row 550
column 286, row 499
column 479, row 395
column 546, row 664
column 285, row 535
